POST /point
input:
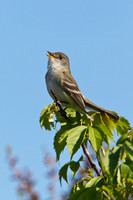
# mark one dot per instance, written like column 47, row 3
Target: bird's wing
column 71, row 88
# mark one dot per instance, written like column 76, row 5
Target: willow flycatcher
column 60, row 81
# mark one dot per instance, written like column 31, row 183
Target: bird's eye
column 60, row 57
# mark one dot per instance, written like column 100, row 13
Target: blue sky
column 98, row 38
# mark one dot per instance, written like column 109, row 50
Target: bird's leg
column 58, row 103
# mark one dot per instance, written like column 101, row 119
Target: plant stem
column 86, row 152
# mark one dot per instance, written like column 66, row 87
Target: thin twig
column 86, row 152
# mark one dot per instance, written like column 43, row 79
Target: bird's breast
column 53, row 82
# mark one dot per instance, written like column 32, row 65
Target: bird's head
column 58, row 59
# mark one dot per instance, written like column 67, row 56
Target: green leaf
column 126, row 172
column 63, row 172
column 108, row 122
column 88, row 194
column 74, row 166
column 129, row 163
column 97, row 118
column 119, row 177
column 105, row 132
column 46, row 116
column 83, row 194
column 78, row 186
column 94, row 181
column 95, row 138
column 60, row 119
column 122, row 126
column 129, row 149
column 75, row 139
column 77, row 190
column 122, row 139
column 60, row 140
column 111, row 159
column 130, row 134
column 89, row 191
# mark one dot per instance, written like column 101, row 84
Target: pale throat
column 54, row 64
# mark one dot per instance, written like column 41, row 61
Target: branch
column 86, row 152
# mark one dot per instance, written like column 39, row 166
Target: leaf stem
column 106, row 195
column 103, row 151
column 101, row 162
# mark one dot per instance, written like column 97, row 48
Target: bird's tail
column 92, row 106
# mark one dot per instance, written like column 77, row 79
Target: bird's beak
column 50, row 55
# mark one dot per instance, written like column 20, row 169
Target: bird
column 61, row 84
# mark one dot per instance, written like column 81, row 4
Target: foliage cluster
column 115, row 163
